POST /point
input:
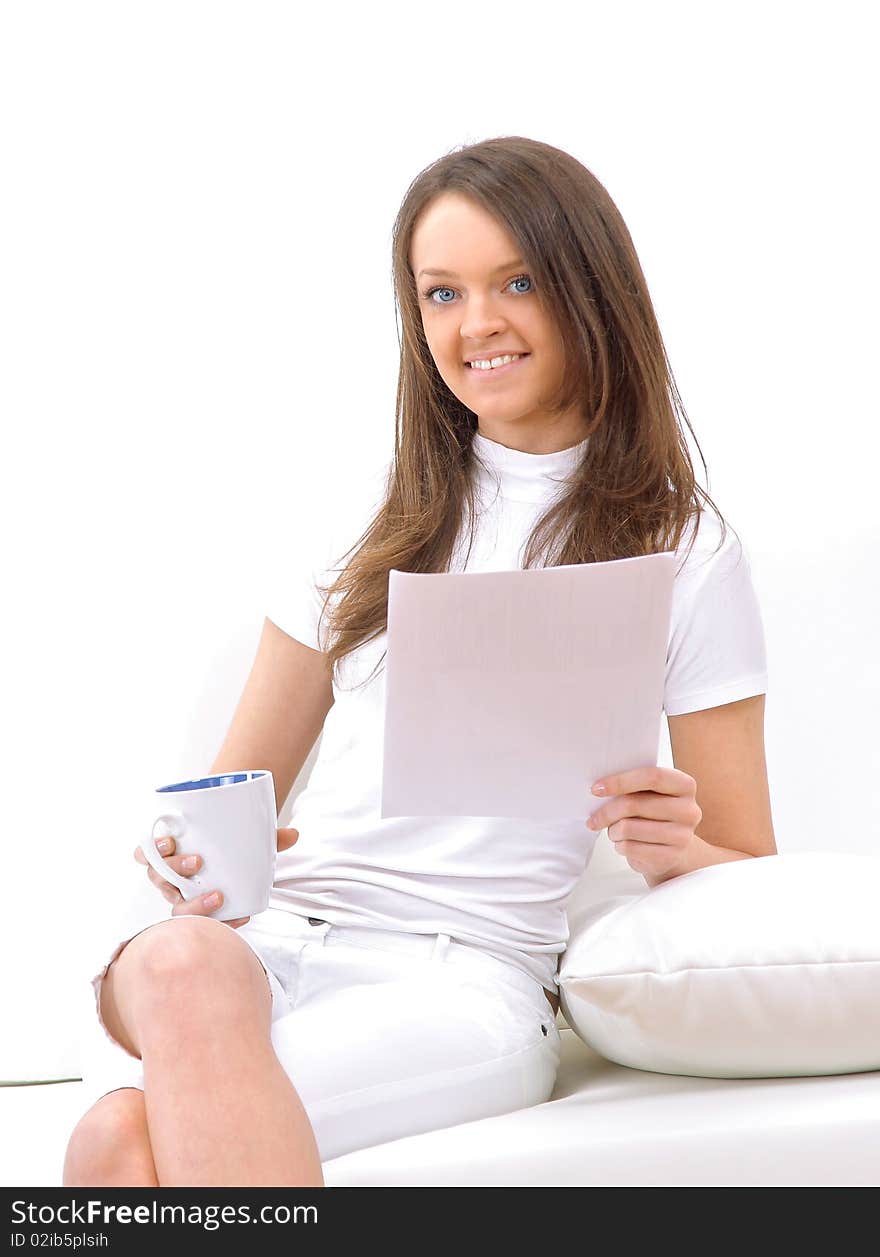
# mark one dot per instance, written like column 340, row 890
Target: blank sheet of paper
column 510, row 693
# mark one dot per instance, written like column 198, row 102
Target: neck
column 544, row 442
column 523, row 474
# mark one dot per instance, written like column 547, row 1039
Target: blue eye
column 438, row 288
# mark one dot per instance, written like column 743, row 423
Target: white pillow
column 765, row 967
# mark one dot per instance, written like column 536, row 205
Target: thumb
column 286, row 838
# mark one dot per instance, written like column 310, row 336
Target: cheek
column 553, row 351
column 544, row 345
column 444, row 352
column 451, row 372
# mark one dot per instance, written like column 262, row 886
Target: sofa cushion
column 765, row 967
column 604, row 1126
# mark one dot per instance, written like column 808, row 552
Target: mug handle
column 176, row 822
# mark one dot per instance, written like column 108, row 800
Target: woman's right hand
column 179, row 863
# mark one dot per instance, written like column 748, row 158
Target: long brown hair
column 634, row 491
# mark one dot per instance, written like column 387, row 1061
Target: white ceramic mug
column 230, row 821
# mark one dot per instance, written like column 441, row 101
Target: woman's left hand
column 652, row 819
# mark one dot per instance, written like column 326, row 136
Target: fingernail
column 189, row 863
column 212, row 900
column 599, row 788
column 164, row 845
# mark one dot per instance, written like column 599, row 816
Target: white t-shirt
column 495, row 883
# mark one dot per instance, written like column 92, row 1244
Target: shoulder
column 343, row 513
column 716, row 652
column 710, row 549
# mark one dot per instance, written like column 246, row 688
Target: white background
column 199, row 346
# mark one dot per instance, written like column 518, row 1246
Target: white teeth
column 486, row 364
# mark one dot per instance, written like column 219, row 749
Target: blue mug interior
column 208, row 783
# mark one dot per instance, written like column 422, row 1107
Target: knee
column 180, row 967
column 172, row 954
column 105, row 1140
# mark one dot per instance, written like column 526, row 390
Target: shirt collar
column 521, row 476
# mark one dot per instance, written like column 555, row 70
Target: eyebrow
column 452, row 275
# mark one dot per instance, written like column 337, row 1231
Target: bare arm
column 281, row 711
column 278, row 719
column 722, row 748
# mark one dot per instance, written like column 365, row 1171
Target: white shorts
column 382, row 1033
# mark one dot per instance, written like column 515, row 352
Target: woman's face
column 480, row 302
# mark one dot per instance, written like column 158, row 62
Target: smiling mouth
column 489, row 371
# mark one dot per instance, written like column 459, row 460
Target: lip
column 497, row 372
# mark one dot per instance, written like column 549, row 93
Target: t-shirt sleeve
column 300, row 578
column 717, row 650
column 296, row 604
column 312, row 558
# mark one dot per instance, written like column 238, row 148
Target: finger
column 239, row 921
column 654, row 777
column 644, row 857
column 650, row 833
column 286, row 838
column 185, row 864
column 198, row 906
column 160, row 882
column 165, row 846
column 652, row 858
column 163, row 886
column 661, row 807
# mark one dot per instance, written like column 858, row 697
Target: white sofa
column 607, row 1124
column 604, row 1125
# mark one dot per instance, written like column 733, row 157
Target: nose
column 481, row 320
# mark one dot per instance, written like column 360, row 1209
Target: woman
column 404, row 976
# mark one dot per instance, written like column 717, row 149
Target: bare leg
column 191, row 1000
column 110, row 1145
